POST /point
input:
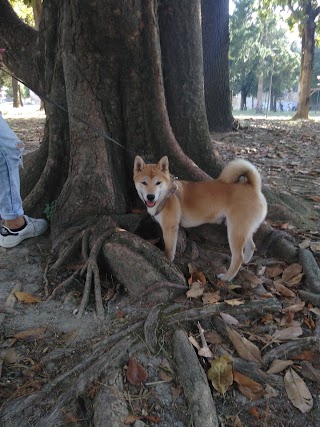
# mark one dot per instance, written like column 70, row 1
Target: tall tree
column 215, row 36
column 305, row 13
column 181, row 54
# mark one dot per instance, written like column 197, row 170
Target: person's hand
column 1, row 58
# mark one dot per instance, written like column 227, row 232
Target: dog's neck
column 169, row 193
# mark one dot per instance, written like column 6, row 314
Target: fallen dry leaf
column 304, row 355
column 295, row 307
column 213, row 337
column 234, row 301
column 287, row 334
column 245, row 348
column 274, row 270
column 211, row 298
column 197, row 276
column 305, row 244
column 10, row 356
column 297, row 391
column 234, row 421
column 310, row 372
column 194, row 342
column 26, row 298
column 196, row 290
column 230, row 320
column 254, row 411
column 279, row 366
column 315, row 247
column 220, row 373
column 283, row 290
column 30, row 334
column 249, row 388
column 296, row 280
column 136, row 374
column 204, row 350
column 175, row 391
column 291, row 271
column 314, row 198
column 249, row 275
column 132, row 419
column 165, row 377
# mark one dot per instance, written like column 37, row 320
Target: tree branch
column 19, row 40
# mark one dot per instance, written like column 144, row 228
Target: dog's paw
column 224, row 277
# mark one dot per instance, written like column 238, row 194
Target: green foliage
column 23, row 9
column 49, row 210
column 258, row 43
column 297, row 11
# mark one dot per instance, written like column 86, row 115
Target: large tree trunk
column 215, row 34
column 181, row 52
column 306, row 67
column 116, row 90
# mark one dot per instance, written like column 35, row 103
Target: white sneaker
column 34, row 227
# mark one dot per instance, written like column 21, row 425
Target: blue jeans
column 11, row 149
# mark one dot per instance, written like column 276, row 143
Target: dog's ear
column 138, row 164
column 163, row 164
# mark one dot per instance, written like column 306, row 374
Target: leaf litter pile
column 257, row 339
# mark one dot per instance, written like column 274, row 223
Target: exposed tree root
column 289, row 349
column 194, row 382
column 311, row 270
column 93, row 275
column 109, row 354
column 194, row 314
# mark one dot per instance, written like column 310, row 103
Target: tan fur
column 240, row 202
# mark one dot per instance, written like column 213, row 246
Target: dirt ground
column 41, row 337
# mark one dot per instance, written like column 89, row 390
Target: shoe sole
column 16, row 243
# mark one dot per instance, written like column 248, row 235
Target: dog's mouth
column 150, row 204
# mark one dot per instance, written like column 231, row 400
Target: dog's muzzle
column 150, row 200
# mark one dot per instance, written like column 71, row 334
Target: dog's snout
column 150, row 197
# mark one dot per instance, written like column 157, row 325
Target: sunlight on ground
column 25, row 112
column 279, row 115
column 33, row 111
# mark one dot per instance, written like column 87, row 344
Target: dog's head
column 152, row 181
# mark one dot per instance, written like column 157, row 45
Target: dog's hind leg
column 237, row 243
column 249, row 248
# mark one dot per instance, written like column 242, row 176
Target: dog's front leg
column 169, row 220
column 170, row 237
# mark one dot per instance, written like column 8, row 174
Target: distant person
column 16, row 226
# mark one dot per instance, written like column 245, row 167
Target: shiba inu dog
column 189, row 204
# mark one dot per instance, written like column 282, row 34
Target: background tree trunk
column 182, row 61
column 16, row 96
column 259, row 93
column 215, row 35
column 307, row 60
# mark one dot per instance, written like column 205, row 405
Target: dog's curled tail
column 239, row 167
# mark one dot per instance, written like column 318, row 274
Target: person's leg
column 11, row 149
column 17, row 226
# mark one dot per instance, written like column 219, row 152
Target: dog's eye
column 144, row 183
column 158, row 183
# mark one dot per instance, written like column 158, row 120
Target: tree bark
column 259, row 93
column 215, row 35
column 307, row 60
column 116, row 91
column 16, row 95
column 182, row 62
